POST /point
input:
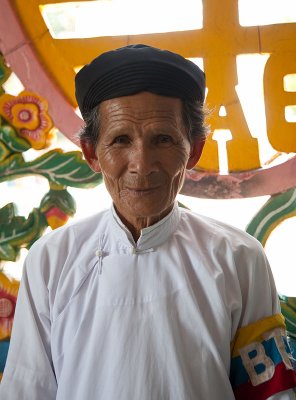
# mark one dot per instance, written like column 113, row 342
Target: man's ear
column 196, row 149
column 89, row 152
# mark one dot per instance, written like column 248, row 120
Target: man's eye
column 164, row 139
column 122, row 139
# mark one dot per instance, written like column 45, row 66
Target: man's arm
column 261, row 365
column 29, row 371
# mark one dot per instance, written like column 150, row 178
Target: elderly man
column 146, row 301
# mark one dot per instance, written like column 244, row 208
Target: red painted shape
column 56, row 212
column 283, row 379
column 254, row 183
column 21, row 57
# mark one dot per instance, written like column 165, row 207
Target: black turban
column 134, row 69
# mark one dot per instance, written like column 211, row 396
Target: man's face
column 143, row 152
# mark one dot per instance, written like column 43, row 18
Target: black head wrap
column 134, row 69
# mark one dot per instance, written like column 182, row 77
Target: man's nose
column 142, row 160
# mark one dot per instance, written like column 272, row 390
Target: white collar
column 151, row 236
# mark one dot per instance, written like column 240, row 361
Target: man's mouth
column 142, row 190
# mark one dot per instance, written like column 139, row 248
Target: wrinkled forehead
column 142, row 108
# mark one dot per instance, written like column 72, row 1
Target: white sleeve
column 261, row 367
column 286, row 395
column 259, row 295
column 28, row 373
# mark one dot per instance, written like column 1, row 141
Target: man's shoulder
column 75, row 232
column 217, row 232
column 69, row 249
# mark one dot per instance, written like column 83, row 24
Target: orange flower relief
column 28, row 114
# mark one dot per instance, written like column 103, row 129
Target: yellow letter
column 281, row 134
column 242, row 150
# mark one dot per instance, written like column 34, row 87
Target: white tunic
column 100, row 317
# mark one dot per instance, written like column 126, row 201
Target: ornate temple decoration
column 8, row 295
column 27, row 112
column 277, row 209
column 25, row 124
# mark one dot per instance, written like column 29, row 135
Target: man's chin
column 140, row 211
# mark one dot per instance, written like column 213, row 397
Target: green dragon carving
column 60, row 168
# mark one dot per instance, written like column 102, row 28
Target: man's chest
column 144, row 312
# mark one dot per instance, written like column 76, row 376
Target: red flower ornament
column 8, row 294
